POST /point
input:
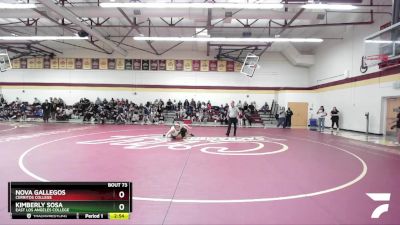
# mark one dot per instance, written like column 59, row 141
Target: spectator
column 239, row 105
column 289, row 114
column 397, row 126
column 186, row 104
column 247, row 117
column 98, row 101
column 282, row 117
column 321, row 114
column 169, row 105
column 265, row 108
column 46, row 111
column 36, row 102
column 335, row 119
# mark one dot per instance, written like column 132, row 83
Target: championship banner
column 162, row 64
column 54, row 63
column 230, row 66
column 178, row 65
column 204, row 66
column 103, row 64
column 87, row 64
column 120, row 64
column 137, row 64
column 213, row 65
column 170, row 64
column 95, row 64
column 78, row 64
column 187, row 65
column 24, row 63
column 221, row 66
column 111, row 64
column 46, row 63
column 62, row 63
column 145, row 64
column 154, row 64
column 16, row 64
column 128, row 64
column 39, row 62
column 196, row 65
column 31, row 63
column 238, row 66
column 70, row 64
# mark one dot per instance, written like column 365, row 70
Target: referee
column 233, row 113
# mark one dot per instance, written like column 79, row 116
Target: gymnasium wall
column 275, row 71
column 354, row 99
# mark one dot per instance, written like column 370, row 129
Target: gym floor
column 262, row 176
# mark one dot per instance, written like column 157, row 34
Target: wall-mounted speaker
column 83, row 33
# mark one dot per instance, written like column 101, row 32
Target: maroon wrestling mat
column 262, row 176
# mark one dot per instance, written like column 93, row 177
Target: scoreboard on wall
column 70, row 200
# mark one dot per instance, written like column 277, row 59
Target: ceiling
column 113, row 28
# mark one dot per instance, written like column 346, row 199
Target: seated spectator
column 252, row 108
column 239, row 105
column 247, row 117
column 36, row 102
column 265, row 108
column 169, row 105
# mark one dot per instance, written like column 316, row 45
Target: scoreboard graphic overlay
column 70, row 200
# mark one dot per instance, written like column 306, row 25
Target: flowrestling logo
column 258, row 145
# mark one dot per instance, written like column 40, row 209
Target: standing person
column 46, row 107
column 397, row 126
column 321, row 114
column 282, row 118
column 335, row 119
column 233, row 113
column 289, row 114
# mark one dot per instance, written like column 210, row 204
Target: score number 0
column 121, row 206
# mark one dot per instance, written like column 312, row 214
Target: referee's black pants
column 230, row 121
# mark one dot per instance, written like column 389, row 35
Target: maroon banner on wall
column 178, row 65
column 137, row 64
column 196, row 65
column 162, row 64
column 46, row 63
column 24, row 63
column 111, row 64
column 230, row 66
column 213, row 65
column 95, row 64
column 78, row 64
column 145, row 64
column 128, row 64
column 153, row 64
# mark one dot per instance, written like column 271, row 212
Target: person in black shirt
column 335, row 118
column 289, row 114
column 46, row 107
column 397, row 126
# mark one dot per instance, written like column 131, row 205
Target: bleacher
column 268, row 117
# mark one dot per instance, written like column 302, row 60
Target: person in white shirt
column 233, row 113
column 321, row 114
column 178, row 131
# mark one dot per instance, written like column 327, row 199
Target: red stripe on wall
column 383, row 73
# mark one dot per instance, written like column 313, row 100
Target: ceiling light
column 16, row 6
column 40, row 38
column 381, row 41
column 329, row 6
column 163, row 5
column 223, row 39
